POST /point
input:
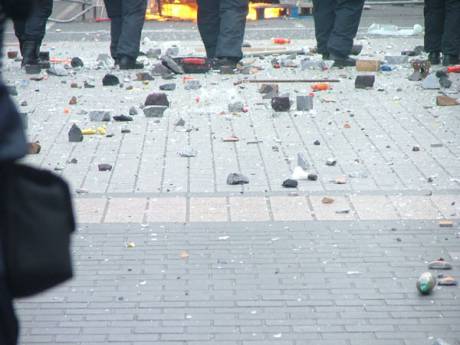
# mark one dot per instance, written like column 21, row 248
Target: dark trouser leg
column 233, row 15
column 434, row 24
column 209, row 25
column 133, row 18
column 114, row 12
column 35, row 25
column 347, row 18
column 8, row 321
column 451, row 37
column 324, row 15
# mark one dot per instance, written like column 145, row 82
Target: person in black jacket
column 442, row 31
column 30, row 31
column 12, row 147
column 222, row 24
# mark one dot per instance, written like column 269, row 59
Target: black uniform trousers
column 128, row 17
column 222, row 24
column 442, row 26
column 8, row 323
column 34, row 27
column 336, row 25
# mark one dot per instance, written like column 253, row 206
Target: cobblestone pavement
column 168, row 253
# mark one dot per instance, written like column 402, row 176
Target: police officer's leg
column 209, row 25
column 324, row 16
column 233, row 15
column 133, row 17
column 35, row 25
column 8, row 321
column 347, row 18
column 451, row 37
column 113, row 8
column 434, row 26
column 19, row 30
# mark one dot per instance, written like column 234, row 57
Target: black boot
column 434, row 58
column 450, row 60
column 29, row 53
column 126, row 62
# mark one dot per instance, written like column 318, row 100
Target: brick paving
column 259, row 264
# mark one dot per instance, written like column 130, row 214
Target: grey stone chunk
column 58, row 70
column 172, row 51
column 157, row 99
column 100, row 115
column 308, row 64
column 154, row 53
column 236, row 179
column 161, row 71
column 75, row 134
column 110, row 80
column 168, row 62
column 180, row 123
column 236, row 107
column 304, row 103
column 331, row 162
column 192, row 85
column 104, row 60
column 133, row 111
column 144, row 76
column 154, row 110
column 397, row 59
column 312, row 177
column 188, row 152
column 104, row 167
column 89, row 85
column 77, row 62
column 168, row 87
column 302, row 161
column 281, row 104
column 431, row 82
column 364, row 81
column 289, row 183
column 426, row 283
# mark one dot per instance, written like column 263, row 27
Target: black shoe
column 450, row 60
column 434, row 58
column 224, row 63
column 126, row 62
column 356, row 49
column 343, row 61
column 29, row 53
column 326, row 56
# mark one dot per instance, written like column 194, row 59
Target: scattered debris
column 431, row 82
column 289, row 183
column 327, row 200
column 34, row 148
column 158, row 99
column 236, row 107
column 446, row 223
column 304, row 103
column 188, row 152
column 426, row 283
column 57, row 70
column 367, row 65
column 446, row 101
column 104, row 167
column 447, row 280
column 299, row 174
column 302, row 161
column 100, row 115
column 192, row 84
column 421, row 70
column 439, row 264
column 76, row 62
column 154, row 110
column 396, row 59
column 331, row 162
column 110, row 80
column 364, row 81
column 281, row 104
column 122, row 118
column 75, row 134
column 236, row 179
column 144, row 76
column 73, row 100
column 168, row 87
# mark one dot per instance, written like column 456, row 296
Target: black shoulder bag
column 36, row 220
